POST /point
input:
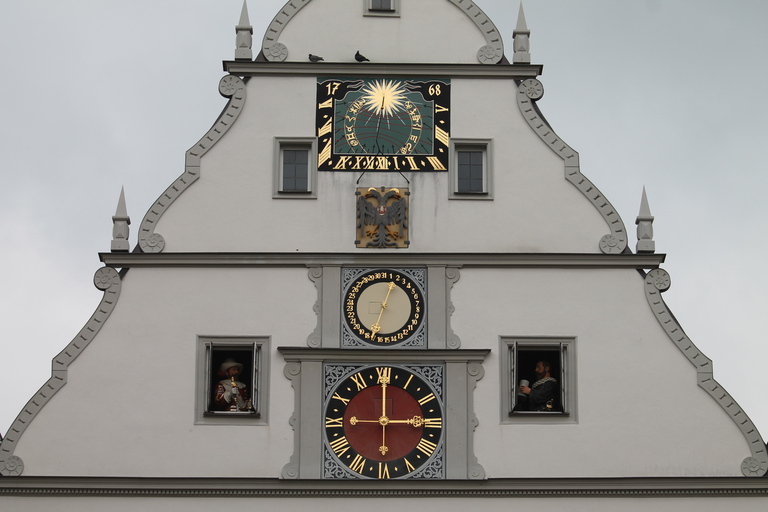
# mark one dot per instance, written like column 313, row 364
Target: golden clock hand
column 383, row 448
column 383, row 421
column 416, row 421
column 384, row 380
column 375, row 328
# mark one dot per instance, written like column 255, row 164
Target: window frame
column 510, row 346
column 206, row 346
column 282, row 144
column 369, row 10
column 486, row 147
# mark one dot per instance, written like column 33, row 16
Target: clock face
column 383, row 124
column 384, row 307
column 383, row 421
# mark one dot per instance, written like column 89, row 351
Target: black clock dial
column 384, row 421
column 384, row 307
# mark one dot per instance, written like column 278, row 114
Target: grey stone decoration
column 315, row 339
column 522, row 44
column 244, row 38
column 530, row 91
column 658, row 281
column 231, row 87
column 491, row 53
column 120, row 223
column 644, row 223
column 292, row 372
column 106, row 279
column 451, row 278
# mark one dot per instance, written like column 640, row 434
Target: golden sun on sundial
column 384, row 97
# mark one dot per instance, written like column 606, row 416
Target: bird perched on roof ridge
column 360, row 57
column 315, row 58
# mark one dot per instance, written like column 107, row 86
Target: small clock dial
column 385, row 422
column 384, row 307
column 383, row 124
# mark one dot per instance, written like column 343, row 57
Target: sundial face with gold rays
column 383, row 124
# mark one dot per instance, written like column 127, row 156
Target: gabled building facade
column 382, row 275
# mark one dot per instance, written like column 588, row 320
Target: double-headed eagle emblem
column 382, row 218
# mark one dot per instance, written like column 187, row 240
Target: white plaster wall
column 425, row 31
column 230, row 208
column 639, row 409
column 128, row 406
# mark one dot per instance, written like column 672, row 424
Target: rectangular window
column 232, row 380
column 295, row 170
column 470, row 169
column 470, row 172
column 381, row 7
column 538, row 379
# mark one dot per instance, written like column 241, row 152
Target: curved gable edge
column 107, row 279
column 231, row 87
column 531, row 90
column 656, row 282
column 492, row 53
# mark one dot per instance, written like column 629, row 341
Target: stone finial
column 644, row 223
column 244, row 39
column 522, row 44
column 120, row 223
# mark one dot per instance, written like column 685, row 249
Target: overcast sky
column 666, row 94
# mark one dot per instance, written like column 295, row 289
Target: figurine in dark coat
column 542, row 394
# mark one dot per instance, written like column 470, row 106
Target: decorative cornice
column 257, row 68
column 673, row 487
column 657, row 281
column 106, row 279
column 458, row 260
column 231, row 87
column 529, row 92
column 404, row 356
column 492, row 53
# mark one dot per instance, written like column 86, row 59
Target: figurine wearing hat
column 231, row 394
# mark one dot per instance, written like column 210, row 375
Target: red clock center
column 370, row 432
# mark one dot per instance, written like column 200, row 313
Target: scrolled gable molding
column 531, row 90
column 230, row 86
column 106, row 279
column 658, row 281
